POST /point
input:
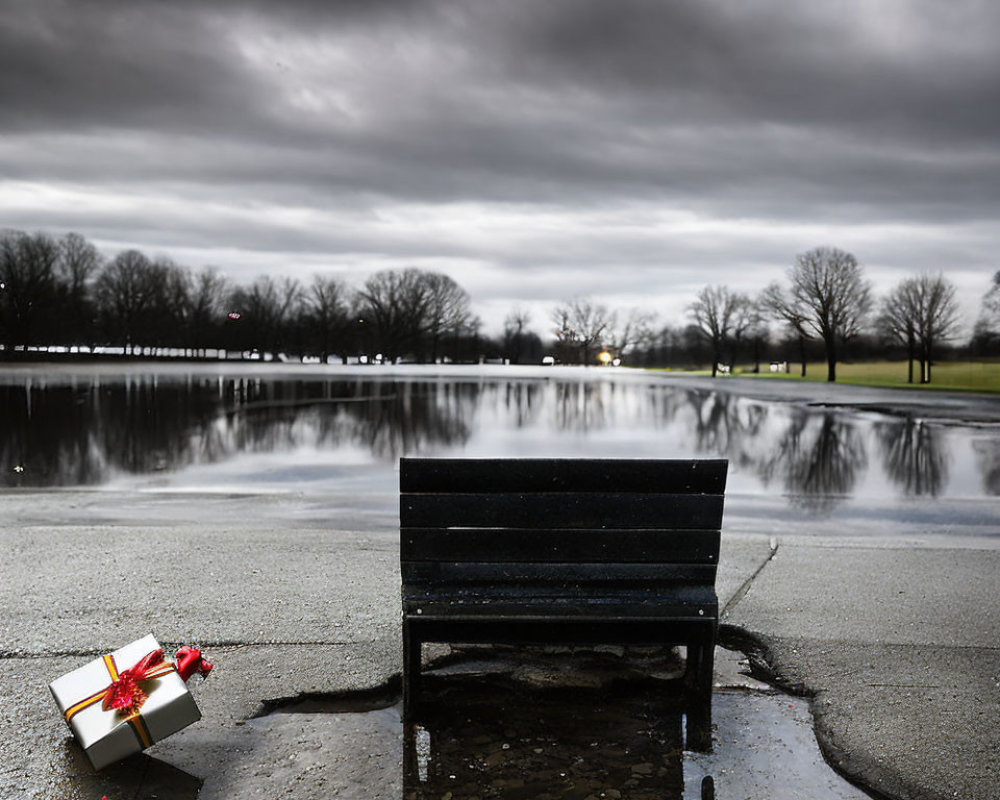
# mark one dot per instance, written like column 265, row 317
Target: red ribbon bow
column 124, row 694
column 189, row 661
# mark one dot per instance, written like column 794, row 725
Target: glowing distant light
column 234, row 315
column 19, row 468
column 604, row 357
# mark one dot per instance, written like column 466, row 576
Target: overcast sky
column 631, row 151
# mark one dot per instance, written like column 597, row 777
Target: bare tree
column 636, row 329
column 920, row 312
column 781, row 308
column 126, row 292
column 208, row 294
column 515, row 326
column 170, row 318
column 28, row 288
column 991, row 300
column 898, row 320
column 266, row 309
column 938, row 318
column 753, row 328
column 446, row 310
column 716, row 311
column 987, row 327
column 329, row 314
column 746, row 319
column 391, row 304
column 580, row 326
column 828, row 290
column 79, row 262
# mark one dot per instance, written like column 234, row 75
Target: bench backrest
column 560, row 521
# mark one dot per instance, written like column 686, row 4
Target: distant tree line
column 62, row 292
column 825, row 309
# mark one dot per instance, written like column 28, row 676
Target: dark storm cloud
column 79, row 66
column 590, row 96
column 430, row 129
column 906, row 68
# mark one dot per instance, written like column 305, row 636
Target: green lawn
column 968, row 376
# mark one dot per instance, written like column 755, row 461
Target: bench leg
column 411, row 671
column 698, row 683
column 692, row 665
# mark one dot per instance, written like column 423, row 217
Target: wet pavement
column 901, row 674
column 525, row 726
column 897, row 647
column 882, row 625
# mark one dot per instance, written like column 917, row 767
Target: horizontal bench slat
column 470, row 475
column 675, row 607
column 554, row 545
column 563, row 510
column 635, row 629
column 529, row 576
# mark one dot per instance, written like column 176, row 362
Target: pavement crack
column 740, row 593
column 204, row 645
column 383, row 695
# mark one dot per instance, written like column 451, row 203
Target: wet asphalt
column 894, row 648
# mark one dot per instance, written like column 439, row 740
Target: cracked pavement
column 896, row 646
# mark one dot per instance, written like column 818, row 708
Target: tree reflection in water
column 522, row 400
column 818, row 459
column 727, row 425
column 81, row 430
column 80, row 434
column 581, row 406
column 421, row 415
column 913, row 456
column 988, row 456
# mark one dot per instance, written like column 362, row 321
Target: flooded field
column 332, row 440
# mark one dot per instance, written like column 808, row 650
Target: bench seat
column 688, row 602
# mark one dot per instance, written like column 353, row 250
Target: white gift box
column 107, row 736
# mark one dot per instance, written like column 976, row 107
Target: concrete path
column 897, row 647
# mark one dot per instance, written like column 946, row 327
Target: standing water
column 332, row 440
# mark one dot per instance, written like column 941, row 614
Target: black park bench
column 567, row 551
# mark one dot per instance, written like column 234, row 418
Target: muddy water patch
column 542, row 728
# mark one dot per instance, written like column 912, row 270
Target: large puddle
column 339, row 435
column 568, row 726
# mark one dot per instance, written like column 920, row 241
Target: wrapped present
column 125, row 701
